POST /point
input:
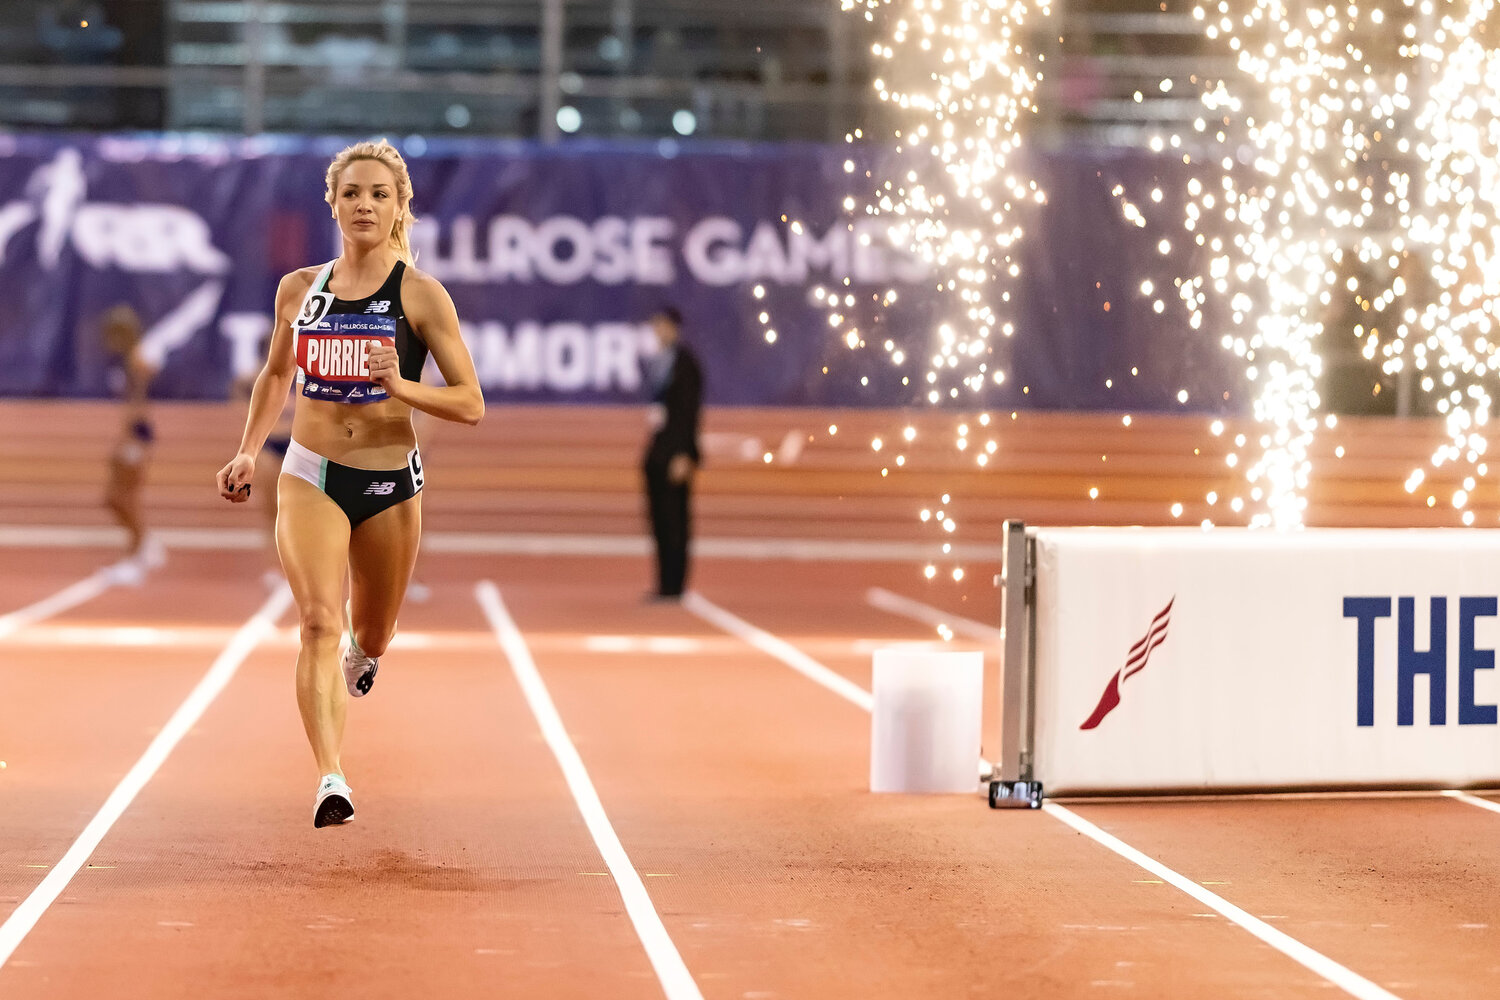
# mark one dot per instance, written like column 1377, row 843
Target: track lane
column 1437, row 943
column 181, row 723
column 467, row 865
column 782, row 876
column 31, row 574
column 832, row 599
column 68, row 732
column 74, row 718
column 737, row 787
column 1404, row 891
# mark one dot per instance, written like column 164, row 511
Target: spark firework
column 1447, row 328
column 960, row 83
column 1296, row 142
column 1352, row 154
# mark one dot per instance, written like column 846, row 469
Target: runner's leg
column 312, row 535
column 382, row 552
column 122, row 494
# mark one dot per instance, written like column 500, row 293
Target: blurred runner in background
column 130, row 375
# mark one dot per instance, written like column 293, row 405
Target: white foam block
column 924, row 728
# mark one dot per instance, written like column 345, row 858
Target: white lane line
column 665, row 644
column 885, row 600
column 675, row 979
column 1345, row 979
column 197, row 636
column 779, row 649
column 1472, row 800
column 1326, row 967
column 521, row 543
column 1352, row 795
column 25, row 916
column 70, row 596
column 61, row 536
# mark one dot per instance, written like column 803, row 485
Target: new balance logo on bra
column 379, row 306
column 380, row 489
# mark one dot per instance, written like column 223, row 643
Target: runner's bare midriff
column 369, row 436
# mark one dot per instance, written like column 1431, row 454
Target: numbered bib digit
column 414, row 463
column 315, row 308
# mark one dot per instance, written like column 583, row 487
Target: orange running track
column 737, row 789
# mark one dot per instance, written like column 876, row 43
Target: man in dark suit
column 676, row 385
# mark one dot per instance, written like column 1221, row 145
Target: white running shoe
column 127, row 572
column 359, row 670
column 152, row 553
column 335, row 802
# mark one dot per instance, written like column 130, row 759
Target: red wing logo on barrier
column 1135, row 662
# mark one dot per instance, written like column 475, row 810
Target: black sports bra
column 334, row 337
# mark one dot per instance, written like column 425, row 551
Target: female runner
column 120, row 328
column 354, row 334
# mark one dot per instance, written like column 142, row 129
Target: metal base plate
column 1015, row 795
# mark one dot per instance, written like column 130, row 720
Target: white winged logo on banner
column 135, row 237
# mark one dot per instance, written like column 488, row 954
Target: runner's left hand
column 385, row 368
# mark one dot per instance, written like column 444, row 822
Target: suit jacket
column 681, row 396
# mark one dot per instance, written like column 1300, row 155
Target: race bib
column 334, row 354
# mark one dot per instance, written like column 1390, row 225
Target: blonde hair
column 380, row 152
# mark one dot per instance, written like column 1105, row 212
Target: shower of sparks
column 960, row 83
column 1293, row 196
column 1446, row 332
column 1355, row 153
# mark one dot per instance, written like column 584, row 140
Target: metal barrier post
column 1012, row 783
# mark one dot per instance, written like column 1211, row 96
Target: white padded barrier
column 1185, row 659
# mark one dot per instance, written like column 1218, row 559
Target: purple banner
column 556, row 257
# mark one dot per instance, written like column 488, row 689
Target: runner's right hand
column 234, row 479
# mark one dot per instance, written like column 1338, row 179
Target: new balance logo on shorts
column 379, row 306
column 380, row 489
